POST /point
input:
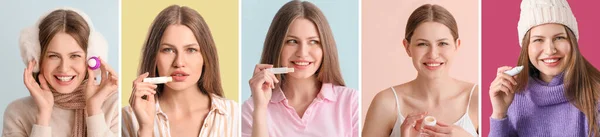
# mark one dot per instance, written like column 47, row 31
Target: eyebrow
column 540, row 36
column 187, row 45
column 74, row 52
column 443, row 39
column 312, row 37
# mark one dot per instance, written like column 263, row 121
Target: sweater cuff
column 499, row 127
column 40, row 131
column 96, row 124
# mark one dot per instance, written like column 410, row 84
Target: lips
column 64, row 80
column 551, row 61
column 179, row 76
column 301, row 64
column 433, row 65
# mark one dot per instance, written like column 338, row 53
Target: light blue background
column 342, row 16
column 18, row 14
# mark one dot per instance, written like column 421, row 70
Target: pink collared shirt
column 334, row 113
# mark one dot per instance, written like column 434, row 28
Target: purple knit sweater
column 542, row 110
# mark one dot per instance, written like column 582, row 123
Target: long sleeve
column 501, row 128
column 247, row 109
column 105, row 124
column 19, row 120
column 355, row 115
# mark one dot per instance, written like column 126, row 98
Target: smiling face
column 302, row 49
column 432, row 48
column 179, row 56
column 549, row 49
column 63, row 64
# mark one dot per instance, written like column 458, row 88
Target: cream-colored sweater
column 20, row 118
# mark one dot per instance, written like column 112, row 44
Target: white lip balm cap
column 514, row 71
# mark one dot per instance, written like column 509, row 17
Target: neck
column 546, row 78
column 433, row 89
column 184, row 101
column 301, row 89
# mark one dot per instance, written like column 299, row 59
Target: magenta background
column 500, row 44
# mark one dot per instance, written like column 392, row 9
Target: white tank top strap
column 399, row 120
column 470, row 95
column 397, row 101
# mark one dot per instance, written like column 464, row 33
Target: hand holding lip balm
column 514, row 71
column 280, row 70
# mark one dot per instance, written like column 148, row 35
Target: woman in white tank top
column 431, row 40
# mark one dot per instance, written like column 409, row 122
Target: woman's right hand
column 502, row 92
column 411, row 125
column 41, row 94
column 144, row 109
column 262, row 84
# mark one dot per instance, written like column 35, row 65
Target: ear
column 406, row 43
column 457, row 43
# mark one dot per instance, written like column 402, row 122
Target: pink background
column 384, row 60
column 501, row 45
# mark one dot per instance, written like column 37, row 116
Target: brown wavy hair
column 329, row 70
column 210, row 79
column 581, row 80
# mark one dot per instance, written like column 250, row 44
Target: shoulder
column 25, row 105
column 343, row 92
column 228, row 105
column 384, row 101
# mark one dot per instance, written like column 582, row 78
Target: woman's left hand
column 95, row 95
column 445, row 130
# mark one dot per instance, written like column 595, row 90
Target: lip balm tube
column 94, row 63
column 429, row 121
column 280, row 70
column 514, row 71
column 158, row 80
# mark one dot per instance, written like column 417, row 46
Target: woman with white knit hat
column 66, row 99
column 557, row 91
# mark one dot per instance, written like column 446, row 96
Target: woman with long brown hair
column 431, row 40
column 180, row 45
column 311, row 100
column 65, row 98
column 556, row 93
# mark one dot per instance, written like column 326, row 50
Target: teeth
column 178, row 74
column 301, row 63
column 433, row 64
column 65, row 78
column 550, row 60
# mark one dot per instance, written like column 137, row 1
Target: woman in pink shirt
column 311, row 100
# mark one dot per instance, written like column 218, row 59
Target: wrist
column 93, row 108
column 145, row 131
column 498, row 115
column 43, row 118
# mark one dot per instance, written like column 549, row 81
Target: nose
column 64, row 65
column 302, row 49
column 433, row 52
column 549, row 48
column 179, row 61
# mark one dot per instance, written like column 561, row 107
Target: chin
column 177, row 86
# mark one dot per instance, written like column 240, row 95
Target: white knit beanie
column 538, row 12
column 29, row 42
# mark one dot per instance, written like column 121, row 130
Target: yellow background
column 221, row 17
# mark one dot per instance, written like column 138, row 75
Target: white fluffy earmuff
column 29, row 41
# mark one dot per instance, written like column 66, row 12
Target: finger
column 91, row 77
column 43, row 82
column 439, row 129
column 431, row 133
column 145, row 89
column 273, row 77
column 260, row 67
column 145, row 85
column 102, row 73
column 107, row 67
column 507, row 84
column 509, row 78
column 141, row 77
